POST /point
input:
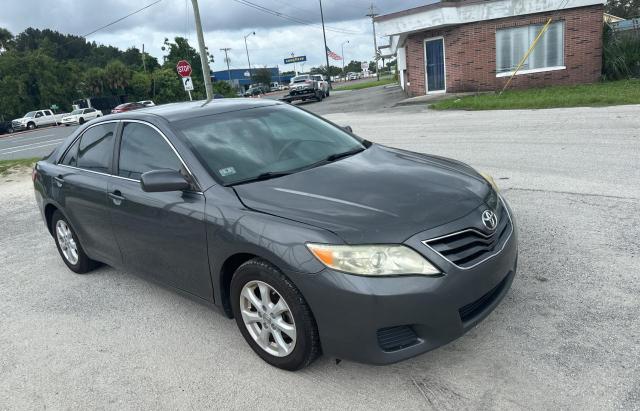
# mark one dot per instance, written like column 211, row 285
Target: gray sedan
column 314, row 239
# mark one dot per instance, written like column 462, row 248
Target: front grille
column 468, row 248
column 471, row 310
column 396, row 338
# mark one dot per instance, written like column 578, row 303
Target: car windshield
column 30, row 114
column 76, row 112
column 264, row 142
column 299, row 79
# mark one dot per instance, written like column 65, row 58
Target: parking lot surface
column 566, row 336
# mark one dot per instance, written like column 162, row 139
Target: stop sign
column 184, row 68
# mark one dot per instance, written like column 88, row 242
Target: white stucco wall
column 447, row 16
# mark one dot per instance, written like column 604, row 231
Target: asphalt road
column 40, row 142
column 567, row 335
column 36, row 143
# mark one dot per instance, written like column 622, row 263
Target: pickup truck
column 322, row 83
column 303, row 87
column 34, row 119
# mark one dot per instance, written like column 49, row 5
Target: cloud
column 225, row 23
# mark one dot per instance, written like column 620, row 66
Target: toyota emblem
column 490, row 219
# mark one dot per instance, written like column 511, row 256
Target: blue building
column 241, row 79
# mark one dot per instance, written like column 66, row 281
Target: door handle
column 116, row 197
column 59, row 180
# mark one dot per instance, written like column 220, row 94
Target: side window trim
column 61, row 158
column 164, row 137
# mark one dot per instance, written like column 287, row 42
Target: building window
column 512, row 45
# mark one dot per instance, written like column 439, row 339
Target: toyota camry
column 313, row 239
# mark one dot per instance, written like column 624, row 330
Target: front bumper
column 389, row 319
column 18, row 126
column 69, row 121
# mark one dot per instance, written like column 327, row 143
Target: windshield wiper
column 261, row 177
column 334, row 157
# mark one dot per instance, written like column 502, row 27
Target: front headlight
column 490, row 180
column 373, row 260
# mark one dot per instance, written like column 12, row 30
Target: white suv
column 81, row 116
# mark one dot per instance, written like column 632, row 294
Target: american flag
column 333, row 55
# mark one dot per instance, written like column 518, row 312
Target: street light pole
column 253, row 33
column 206, row 71
column 342, row 47
column 373, row 15
column 326, row 55
column 226, row 60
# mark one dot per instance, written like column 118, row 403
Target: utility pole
column 342, row 47
column 373, row 14
column 326, row 56
column 227, row 60
column 144, row 64
column 206, row 71
column 295, row 69
column 253, row 33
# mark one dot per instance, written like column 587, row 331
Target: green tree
column 627, row 9
column 261, row 76
column 168, row 87
column 140, row 86
column 117, row 76
column 223, row 88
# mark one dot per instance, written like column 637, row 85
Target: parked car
column 352, row 76
column 127, row 107
column 275, row 86
column 303, row 87
column 255, row 91
column 309, row 236
column 5, row 127
column 147, row 103
column 322, row 84
column 38, row 118
column 80, row 116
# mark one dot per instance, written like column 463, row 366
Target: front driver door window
column 160, row 234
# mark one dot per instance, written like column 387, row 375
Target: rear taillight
column 34, row 173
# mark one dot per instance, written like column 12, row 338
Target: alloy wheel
column 67, row 243
column 268, row 318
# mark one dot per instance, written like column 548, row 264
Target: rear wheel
column 69, row 246
column 10, row 130
column 273, row 316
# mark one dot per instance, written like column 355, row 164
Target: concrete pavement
column 565, row 337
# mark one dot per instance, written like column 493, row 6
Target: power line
column 121, row 18
column 288, row 17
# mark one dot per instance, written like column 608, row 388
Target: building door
column 435, row 71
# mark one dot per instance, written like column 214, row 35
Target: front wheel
column 31, row 126
column 273, row 316
column 81, row 121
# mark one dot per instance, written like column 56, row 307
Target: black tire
column 31, row 126
column 10, row 130
column 81, row 121
column 307, row 346
column 84, row 263
column 328, row 92
column 319, row 95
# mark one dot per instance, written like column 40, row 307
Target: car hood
column 381, row 195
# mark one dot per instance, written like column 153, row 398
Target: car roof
column 191, row 109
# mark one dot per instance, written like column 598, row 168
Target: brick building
column 475, row 45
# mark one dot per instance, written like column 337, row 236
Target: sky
column 225, row 23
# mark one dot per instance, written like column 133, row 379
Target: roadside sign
column 364, row 65
column 184, row 68
column 247, row 74
column 297, row 59
column 187, row 83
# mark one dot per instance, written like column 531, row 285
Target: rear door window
column 95, row 151
column 71, row 157
column 143, row 149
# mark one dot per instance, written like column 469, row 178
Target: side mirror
column 348, row 128
column 157, row 181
